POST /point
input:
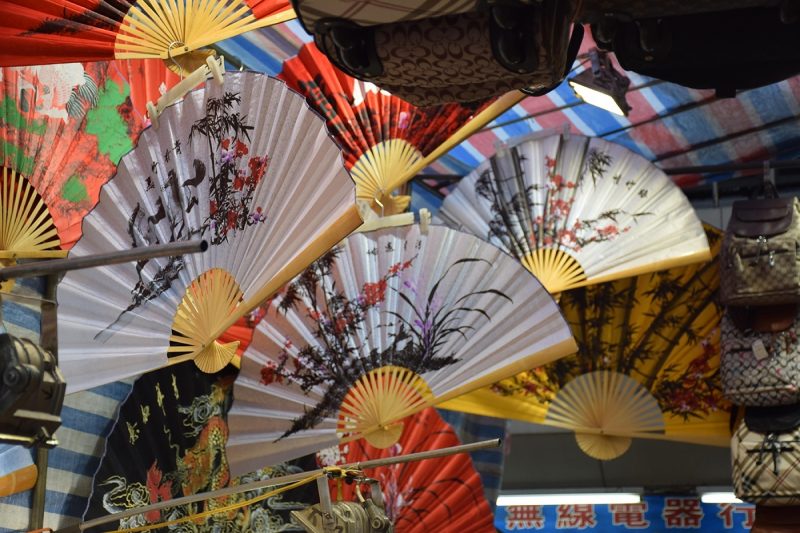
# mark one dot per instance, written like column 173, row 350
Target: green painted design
column 74, row 190
column 17, row 160
column 105, row 122
column 11, row 115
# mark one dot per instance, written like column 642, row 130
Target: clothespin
column 214, row 67
column 424, row 220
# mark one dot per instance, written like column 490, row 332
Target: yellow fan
column 577, row 211
column 647, row 365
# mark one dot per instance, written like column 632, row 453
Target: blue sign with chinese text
column 655, row 514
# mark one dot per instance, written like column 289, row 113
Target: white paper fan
column 389, row 323
column 578, row 211
column 245, row 165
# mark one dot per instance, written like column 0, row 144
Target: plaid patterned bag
column 760, row 368
column 766, row 456
column 760, row 253
column 470, row 55
column 370, row 12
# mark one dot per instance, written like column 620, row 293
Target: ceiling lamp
column 602, row 85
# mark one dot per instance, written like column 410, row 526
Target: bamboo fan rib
column 577, row 211
column 385, row 394
column 60, row 31
column 245, row 165
column 647, row 365
column 600, row 405
column 382, row 136
column 376, row 330
column 208, row 301
column 25, row 222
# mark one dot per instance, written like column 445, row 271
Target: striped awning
column 670, row 125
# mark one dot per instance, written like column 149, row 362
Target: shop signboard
column 655, row 514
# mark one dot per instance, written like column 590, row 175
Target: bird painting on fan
column 339, row 326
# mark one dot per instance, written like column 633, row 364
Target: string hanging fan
column 169, row 442
column 431, row 495
column 577, row 210
column 647, row 365
column 63, row 129
column 381, row 135
column 244, row 165
column 388, row 323
column 63, row 31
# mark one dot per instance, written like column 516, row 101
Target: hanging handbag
column 759, row 257
column 431, row 53
column 761, row 367
column 766, row 456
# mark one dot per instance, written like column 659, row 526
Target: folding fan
column 168, row 442
column 63, row 129
column 577, row 211
column 647, row 365
column 389, row 323
column 381, row 135
column 63, row 31
column 244, row 165
column 443, row 494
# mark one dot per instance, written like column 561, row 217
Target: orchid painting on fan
column 342, row 354
column 547, row 203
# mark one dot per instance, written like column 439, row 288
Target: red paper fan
column 443, row 494
column 63, row 128
column 64, row 31
column 147, row 81
column 380, row 134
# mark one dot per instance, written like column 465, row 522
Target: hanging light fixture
column 602, row 85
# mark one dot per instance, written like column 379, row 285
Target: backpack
column 431, row 53
column 759, row 256
column 766, row 456
column 760, row 368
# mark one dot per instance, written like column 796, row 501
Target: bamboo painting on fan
column 647, row 365
column 243, row 165
column 380, row 328
column 577, row 211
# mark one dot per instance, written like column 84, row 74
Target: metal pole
column 40, row 489
column 283, row 480
column 42, row 268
